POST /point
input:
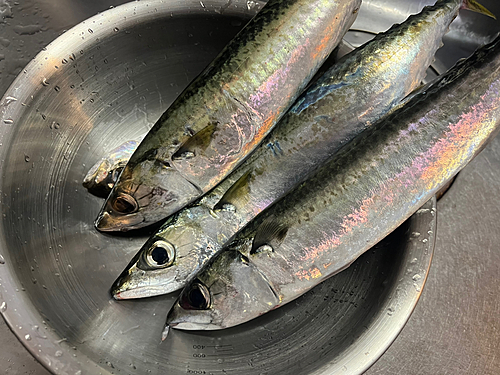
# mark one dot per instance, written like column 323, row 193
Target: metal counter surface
column 455, row 326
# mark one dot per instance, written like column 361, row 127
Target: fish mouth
column 134, row 283
column 107, row 222
column 192, row 326
column 200, row 321
column 146, row 291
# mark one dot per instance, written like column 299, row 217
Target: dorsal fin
column 474, row 6
column 198, row 142
column 269, row 235
column 238, row 194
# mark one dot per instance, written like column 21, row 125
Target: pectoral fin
column 198, row 142
column 269, row 235
column 238, row 194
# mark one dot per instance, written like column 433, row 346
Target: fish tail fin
column 474, row 6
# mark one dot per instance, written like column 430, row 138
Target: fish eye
column 160, row 255
column 125, row 204
column 197, row 297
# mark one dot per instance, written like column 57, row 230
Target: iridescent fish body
column 347, row 99
column 101, row 178
column 375, row 183
column 227, row 110
column 103, row 175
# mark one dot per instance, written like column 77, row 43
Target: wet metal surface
column 454, row 329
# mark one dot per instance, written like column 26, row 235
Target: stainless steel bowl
column 104, row 82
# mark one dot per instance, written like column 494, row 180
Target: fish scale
column 347, row 99
column 241, row 95
column 372, row 186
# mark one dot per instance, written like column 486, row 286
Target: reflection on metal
column 110, row 85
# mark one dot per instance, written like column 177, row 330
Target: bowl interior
column 100, row 84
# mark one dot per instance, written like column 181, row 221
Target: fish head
column 144, row 194
column 103, row 175
column 229, row 291
column 170, row 257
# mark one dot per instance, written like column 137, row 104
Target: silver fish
column 375, row 183
column 227, row 111
column 103, row 175
column 348, row 98
column 101, row 178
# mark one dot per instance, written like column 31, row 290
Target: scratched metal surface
column 454, row 329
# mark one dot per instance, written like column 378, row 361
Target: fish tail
column 474, row 6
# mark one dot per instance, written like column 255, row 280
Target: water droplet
column 57, row 88
column 414, row 260
column 59, row 353
column 2, row 260
column 116, row 29
column 64, row 61
column 129, row 330
column 8, row 121
column 251, row 5
column 3, row 306
column 45, row 82
column 10, row 99
column 415, row 234
column 202, row 5
column 27, row 337
column 4, row 42
column 425, row 240
column 91, row 31
column 390, row 311
column 26, row 158
column 416, row 277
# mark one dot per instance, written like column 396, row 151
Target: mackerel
column 227, row 110
column 375, row 183
column 347, row 99
column 103, row 175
